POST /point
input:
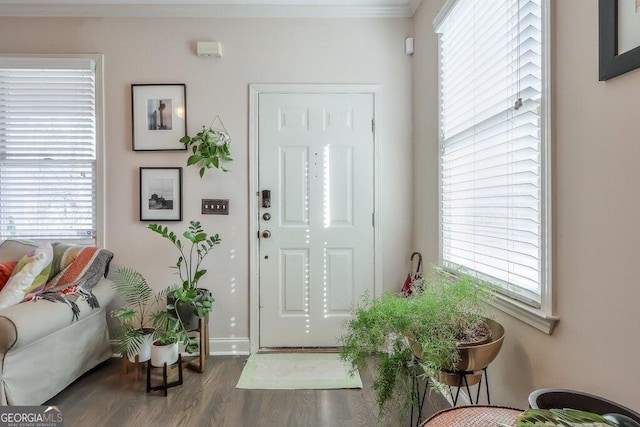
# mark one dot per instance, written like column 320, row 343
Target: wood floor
column 106, row 397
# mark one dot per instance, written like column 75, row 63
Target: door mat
column 297, row 371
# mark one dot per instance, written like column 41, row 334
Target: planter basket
column 475, row 358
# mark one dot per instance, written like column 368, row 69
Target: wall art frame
column 611, row 63
column 158, row 116
column 160, row 194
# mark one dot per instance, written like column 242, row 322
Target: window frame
column 542, row 317
column 100, row 236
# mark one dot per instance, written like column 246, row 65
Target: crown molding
column 206, row 9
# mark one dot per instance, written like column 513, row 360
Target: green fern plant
column 134, row 319
column 394, row 329
column 145, row 313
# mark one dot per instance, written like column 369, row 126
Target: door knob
column 266, row 234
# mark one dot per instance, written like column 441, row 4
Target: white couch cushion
column 13, row 250
column 35, row 320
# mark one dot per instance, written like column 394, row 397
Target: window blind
column 48, row 149
column 490, row 152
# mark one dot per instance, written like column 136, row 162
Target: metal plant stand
column 462, row 382
column 418, row 394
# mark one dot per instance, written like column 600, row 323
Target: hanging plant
column 210, row 147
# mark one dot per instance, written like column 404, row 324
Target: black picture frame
column 152, row 127
column 611, row 63
column 160, row 193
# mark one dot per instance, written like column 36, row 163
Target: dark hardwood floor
column 106, row 397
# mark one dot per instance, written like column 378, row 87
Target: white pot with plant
column 169, row 333
column 135, row 331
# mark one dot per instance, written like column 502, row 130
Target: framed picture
column 160, row 194
column 619, row 22
column 158, row 116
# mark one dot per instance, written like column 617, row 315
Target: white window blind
column 48, row 149
column 491, row 167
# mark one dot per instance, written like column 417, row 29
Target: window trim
column 100, row 204
column 541, row 318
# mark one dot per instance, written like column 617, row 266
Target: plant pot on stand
column 188, row 310
column 164, row 354
column 473, row 363
column 134, row 333
column 190, row 304
column 144, row 352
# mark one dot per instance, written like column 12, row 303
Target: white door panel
column 316, row 155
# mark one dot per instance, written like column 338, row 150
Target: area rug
column 297, row 371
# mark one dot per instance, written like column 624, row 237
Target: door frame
column 255, row 90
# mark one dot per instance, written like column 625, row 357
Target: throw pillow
column 5, row 272
column 29, row 277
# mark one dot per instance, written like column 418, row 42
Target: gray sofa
column 43, row 348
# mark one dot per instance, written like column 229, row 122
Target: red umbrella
column 407, row 287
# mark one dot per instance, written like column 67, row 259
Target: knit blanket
column 75, row 271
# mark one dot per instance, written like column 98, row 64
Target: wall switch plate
column 215, row 206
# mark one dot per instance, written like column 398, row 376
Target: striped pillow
column 29, row 276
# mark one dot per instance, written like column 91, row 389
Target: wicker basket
column 474, row 416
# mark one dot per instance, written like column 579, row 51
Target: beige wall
column 255, row 51
column 596, row 149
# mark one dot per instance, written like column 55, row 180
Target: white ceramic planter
column 161, row 354
column 144, row 353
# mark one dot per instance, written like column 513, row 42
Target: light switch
column 215, row 206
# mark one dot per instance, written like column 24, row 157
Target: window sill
column 535, row 317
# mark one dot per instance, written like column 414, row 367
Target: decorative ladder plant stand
column 199, row 362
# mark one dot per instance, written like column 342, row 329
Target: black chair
column 556, row 398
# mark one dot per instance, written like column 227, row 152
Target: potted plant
column 135, row 330
column 210, row 147
column 417, row 335
column 169, row 333
column 187, row 300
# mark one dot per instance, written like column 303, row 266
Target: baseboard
column 229, row 346
column 217, row 347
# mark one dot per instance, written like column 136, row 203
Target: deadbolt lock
column 266, row 216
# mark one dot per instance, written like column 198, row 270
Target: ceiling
column 212, row 8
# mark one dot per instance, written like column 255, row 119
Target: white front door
column 316, row 157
